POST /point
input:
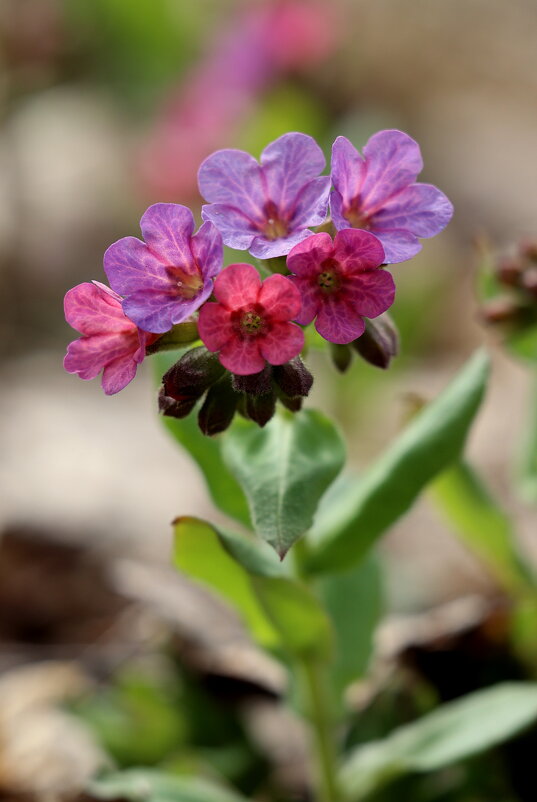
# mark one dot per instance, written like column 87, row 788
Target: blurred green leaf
column 135, row 720
column 481, row 525
column 277, row 609
column 146, row 785
column 431, row 442
column 451, row 733
column 284, row 469
column 354, row 602
column 523, row 343
column 206, row 451
column 527, row 468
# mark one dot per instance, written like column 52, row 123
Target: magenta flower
column 167, row 277
column 378, row 192
column 110, row 341
column 250, row 322
column 340, row 282
column 266, row 208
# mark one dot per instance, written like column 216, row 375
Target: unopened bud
column 219, row 407
column 529, row 281
column 379, row 343
column 499, row 310
column 293, row 378
column 292, row 404
column 254, row 384
column 260, row 408
column 197, row 370
column 341, row 356
column 528, row 249
column 508, row 271
column 176, row 408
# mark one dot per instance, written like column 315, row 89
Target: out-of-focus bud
column 219, row 407
column 260, row 408
column 293, row 378
column 254, row 384
column 500, row 310
column 529, row 250
column 292, row 404
column 379, row 343
column 180, row 334
column 529, row 280
column 197, row 370
column 341, row 356
column 508, row 271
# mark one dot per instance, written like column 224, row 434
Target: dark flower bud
column 508, row 271
column 500, row 310
column 292, row 404
column 293, row 378
column 341, row 356
column 176, row 408
column 260, row 408
column 529, row 281
column 379, row 343
column 219, row 407
column 197, row 370
column 180, row 334
column 254, row 384
column 529, row 250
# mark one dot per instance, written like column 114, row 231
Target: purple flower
column 340, row 282
column 266, row 208
column 110, row 341
column 378, row 192
column 167, row 277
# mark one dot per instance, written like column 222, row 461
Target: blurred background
column 109, row 106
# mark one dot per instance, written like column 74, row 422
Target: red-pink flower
column 110, row 341
column 250, row 325
column 340, row 282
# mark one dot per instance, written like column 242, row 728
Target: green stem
column 322, row 726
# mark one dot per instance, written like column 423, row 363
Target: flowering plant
column 231, row 342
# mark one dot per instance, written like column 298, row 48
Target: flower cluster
column 172, row 286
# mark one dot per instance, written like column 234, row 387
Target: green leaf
column 206, row 451
column 431, row 442
column 278, row 610
column 354, row 603
column 200, row 552
column 481, row 525
column 284, row 469
column 146, row 785
column 523, row 343
column 527, row 468
column 453, row 732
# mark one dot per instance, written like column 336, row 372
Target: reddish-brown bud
column 293, row 378
column 219, row 407
column 197, row 370
column 379, row 343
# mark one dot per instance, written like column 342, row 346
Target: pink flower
column 250, row 322
column 167, row 277
column 110, row 341
column 378, row 192
column 340, row 282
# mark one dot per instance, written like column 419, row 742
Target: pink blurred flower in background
column 110, row 342
column 262, row 44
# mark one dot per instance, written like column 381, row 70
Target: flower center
column 328, row 279
column 187, row 285
column 251, row 322
column 356, row 217
column 274, row 226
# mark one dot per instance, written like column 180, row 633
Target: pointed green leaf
column 482, row 525
column 451, row 733
column 354, row 603
column 284, row 469
column 148, row 785
column 432, row 441
column 277, row 609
